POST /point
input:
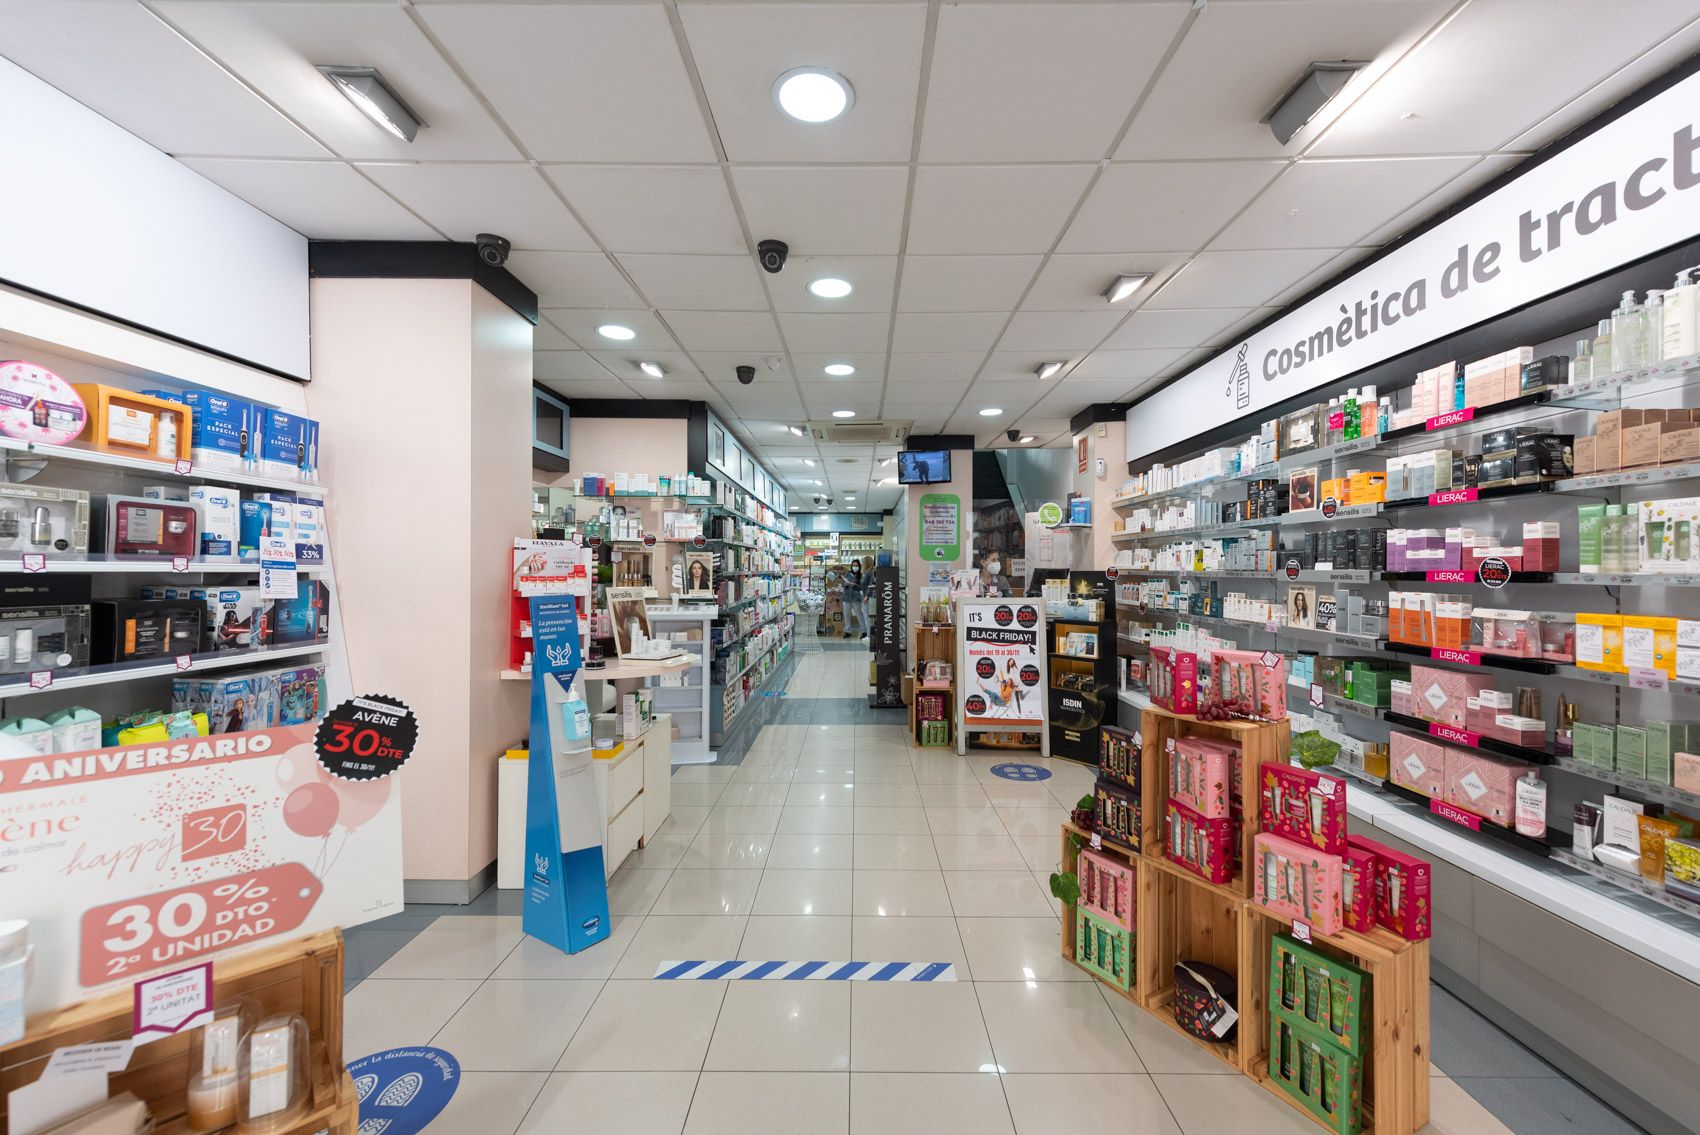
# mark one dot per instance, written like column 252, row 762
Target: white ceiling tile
column 869, row 367
column 947, row 331
column 871, row 277
column 959, row 209
column 821, row 405
column 1023, row 366
column 548, row 337
column 572, row 279
column 669, row 209
column 1238, row 279
column 1076, row 282
column 324, row 200
column 740, row 49
column 277, row 48
column 555, row 71
column 603, row 389
column 930, row 389
column 1453, row 191
column 965, row 283
column 568, row 366
column 1328, row 270
column 623, row 365
column 721, row 367
column 462, row 200
column 696, row 283
column 1615, row 86
column 815, row 334
column 922, row 368
column 1464, row 91
column 1080, row 68
column 118, row 59
column 1238, row 60
column 1124, row 366
column 1062, row 331
column 1149, row 328
column 1087, row 391
column 1326, row 204
column 836, row 210
column 749, row 331
column 1164, row 206
column 581, row 324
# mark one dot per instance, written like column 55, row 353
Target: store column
column 1100, row 436
column 941, row 524
column 422, row 380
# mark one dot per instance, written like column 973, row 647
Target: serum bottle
column 1532, row 805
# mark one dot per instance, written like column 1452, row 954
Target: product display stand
column 684, row 692
column 1082, row 686
column 1179, row 915
column 934, row 701
column 1001, row 688
column 302, row 976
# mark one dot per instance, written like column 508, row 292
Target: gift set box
column 1305, row 806
column 1417, row 763
column 1297, row 881
column 1320, row 992
column 1482, row 784
column 1119, row 755
column 1253, row 678
column 1201, row 771
column 40, row 520
column 1357, row 889
column 1402, row 902
column 1116, row 814
column 1443, row 695
column 1174, row 679
column 1107, row 888
column 1202, row 845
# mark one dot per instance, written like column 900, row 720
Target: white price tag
column 1269, row 658
column 1316, row 694
column 41, row 679
column 1642, row 679
column 35, row 562
column 184, row 661
column 1325, row 787
column 179, row 563
column 277, row 568
column 1097, row 842
column 184, row 467
column 1301, row 931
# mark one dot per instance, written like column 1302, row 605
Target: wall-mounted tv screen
column 923, row 466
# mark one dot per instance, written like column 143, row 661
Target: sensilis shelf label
column 1451, row 418
column 1447, row 654
column 1456, row 736
column 1455, row 815
column 1448, row 577
column 141, row 934
column 1452, row 496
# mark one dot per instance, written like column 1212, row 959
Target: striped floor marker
column 805, row 971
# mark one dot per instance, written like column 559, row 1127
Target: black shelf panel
column 1493, row 493
column 1472, row 581
column 1477, row 414
column 1492, row 832
column 1484, row 744
column 1488, row 661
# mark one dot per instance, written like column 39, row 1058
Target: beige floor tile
column 996, row 894
column 533, row 959
column 460, row 946
column 701, row 795
column 611, row 1103
column 715, row 890
column 803, row 892
column 966, row 1103
column 821, row 795
column 488, row 1103
column 1054, row 1026
column 889, row 795
column 796, row 938
column 965, row 821
column 633, row 890
column 517, row 1026
column 890, row 821
column 783, row 1026
column 1034, row 821
column 683, row 819
column 1127, row 1104
column 677, row 938
column 1017, row 949
column 646, row 1026
column 895, row 853
column 752, row 819
column 953, row 796
column 817, row 821
column 917, row 938
column 917, row 1027
column 379, row 1014
column 744, row 1103
column 752, row 795
column 978, row 853
column 703, row 774
column 809, row 851
column 727, row 849
column 1232, row 1103
column 663, row 852
column 899, row 894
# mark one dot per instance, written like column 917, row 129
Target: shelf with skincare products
column 17, row 458
column 1465, row 739
column 1468, row 657
column 1624, row 881
column 1441, row 812
column 44, row 681
column 1638, row 785
column 187, row 565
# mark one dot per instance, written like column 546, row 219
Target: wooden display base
column 303, row 976
column 1180, row 915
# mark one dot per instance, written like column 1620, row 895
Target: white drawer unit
column 685, row 693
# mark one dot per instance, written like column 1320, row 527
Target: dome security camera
column 772, row 254
column 746, row 374
column 493, row 249
column 1012, row 435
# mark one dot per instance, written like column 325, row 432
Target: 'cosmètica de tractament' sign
column 1627, row 190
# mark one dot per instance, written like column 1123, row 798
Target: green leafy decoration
column 1066, row 887
column 1086, row 803
column 1314, row 750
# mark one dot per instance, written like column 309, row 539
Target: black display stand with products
column 1083, row 686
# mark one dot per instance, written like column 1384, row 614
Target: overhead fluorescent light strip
column 376, row 99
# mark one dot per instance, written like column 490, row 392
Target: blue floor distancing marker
column 805, row 971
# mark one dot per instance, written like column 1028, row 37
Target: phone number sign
column 366, row 738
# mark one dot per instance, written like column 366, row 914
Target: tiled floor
column 828, row 837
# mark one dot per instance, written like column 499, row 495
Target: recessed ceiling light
column 830, row 288
column 616, row 331
column 796, row 431
column 377, row 100
column 653, row 370
column 991, row 411
column 1026, row 439
column 809, row 461
column 1046, row 370
column 813, row 94
column 839, row 370
column 1125, row 285
column 844, row 413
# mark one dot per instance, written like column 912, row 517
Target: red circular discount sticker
column 366, row 738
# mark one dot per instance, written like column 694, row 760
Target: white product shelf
column 162, row 469
column 157, row 565
column 135, row 671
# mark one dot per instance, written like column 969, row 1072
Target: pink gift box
column 1202, row 845
column 1686, row 770
column 1482, row 784
column 1173, row 679
column 1298, row 882
column 1106, row 888
column 1417, row 763
column 1402, row 901
column 1357, row 888
column 1443, row 695
column 1401, row 692
column 1241, row 676
column 1200, row 774
column 1304, row 806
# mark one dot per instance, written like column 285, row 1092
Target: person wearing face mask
column 992, row 581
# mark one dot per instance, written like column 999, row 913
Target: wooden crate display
column 1394, row 1050
column 303, row 976
column 1258, row 741
column 1104, row 949
column 934, row 644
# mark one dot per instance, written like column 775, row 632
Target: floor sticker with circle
column 403, row 1089
column 1021, row 772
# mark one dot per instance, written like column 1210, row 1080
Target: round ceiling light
column 653, row 370
column 830, row 288
column 991, row 411
column 616, row 331
column 844, row 413
column 813, row 94
column 839, row 370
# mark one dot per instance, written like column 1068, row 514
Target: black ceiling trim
column 1604, row 118
column 1095, row 413
column 418, row 260
column 939, row 441
column 631, row 407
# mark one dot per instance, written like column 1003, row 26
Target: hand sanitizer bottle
column 1681, row 330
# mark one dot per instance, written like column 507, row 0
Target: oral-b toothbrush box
column 308, row 518
column 282, row 523
column 236, row 618
column 289, row 446
column 300, row 694
column 232, row 705
column 220, row 511
column 255, row 525
column 222, row 430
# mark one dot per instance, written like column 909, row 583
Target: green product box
column 1104, row 948
column 1321, row 992
column 1632, row 750
column 1595, row 744
column 1663, row 739
column 1324, row 1078
column 1372, row 685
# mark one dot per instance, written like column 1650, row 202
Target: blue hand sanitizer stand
column 566, row 892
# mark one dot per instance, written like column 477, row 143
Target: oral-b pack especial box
column 289, row 446
column 223, row 432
